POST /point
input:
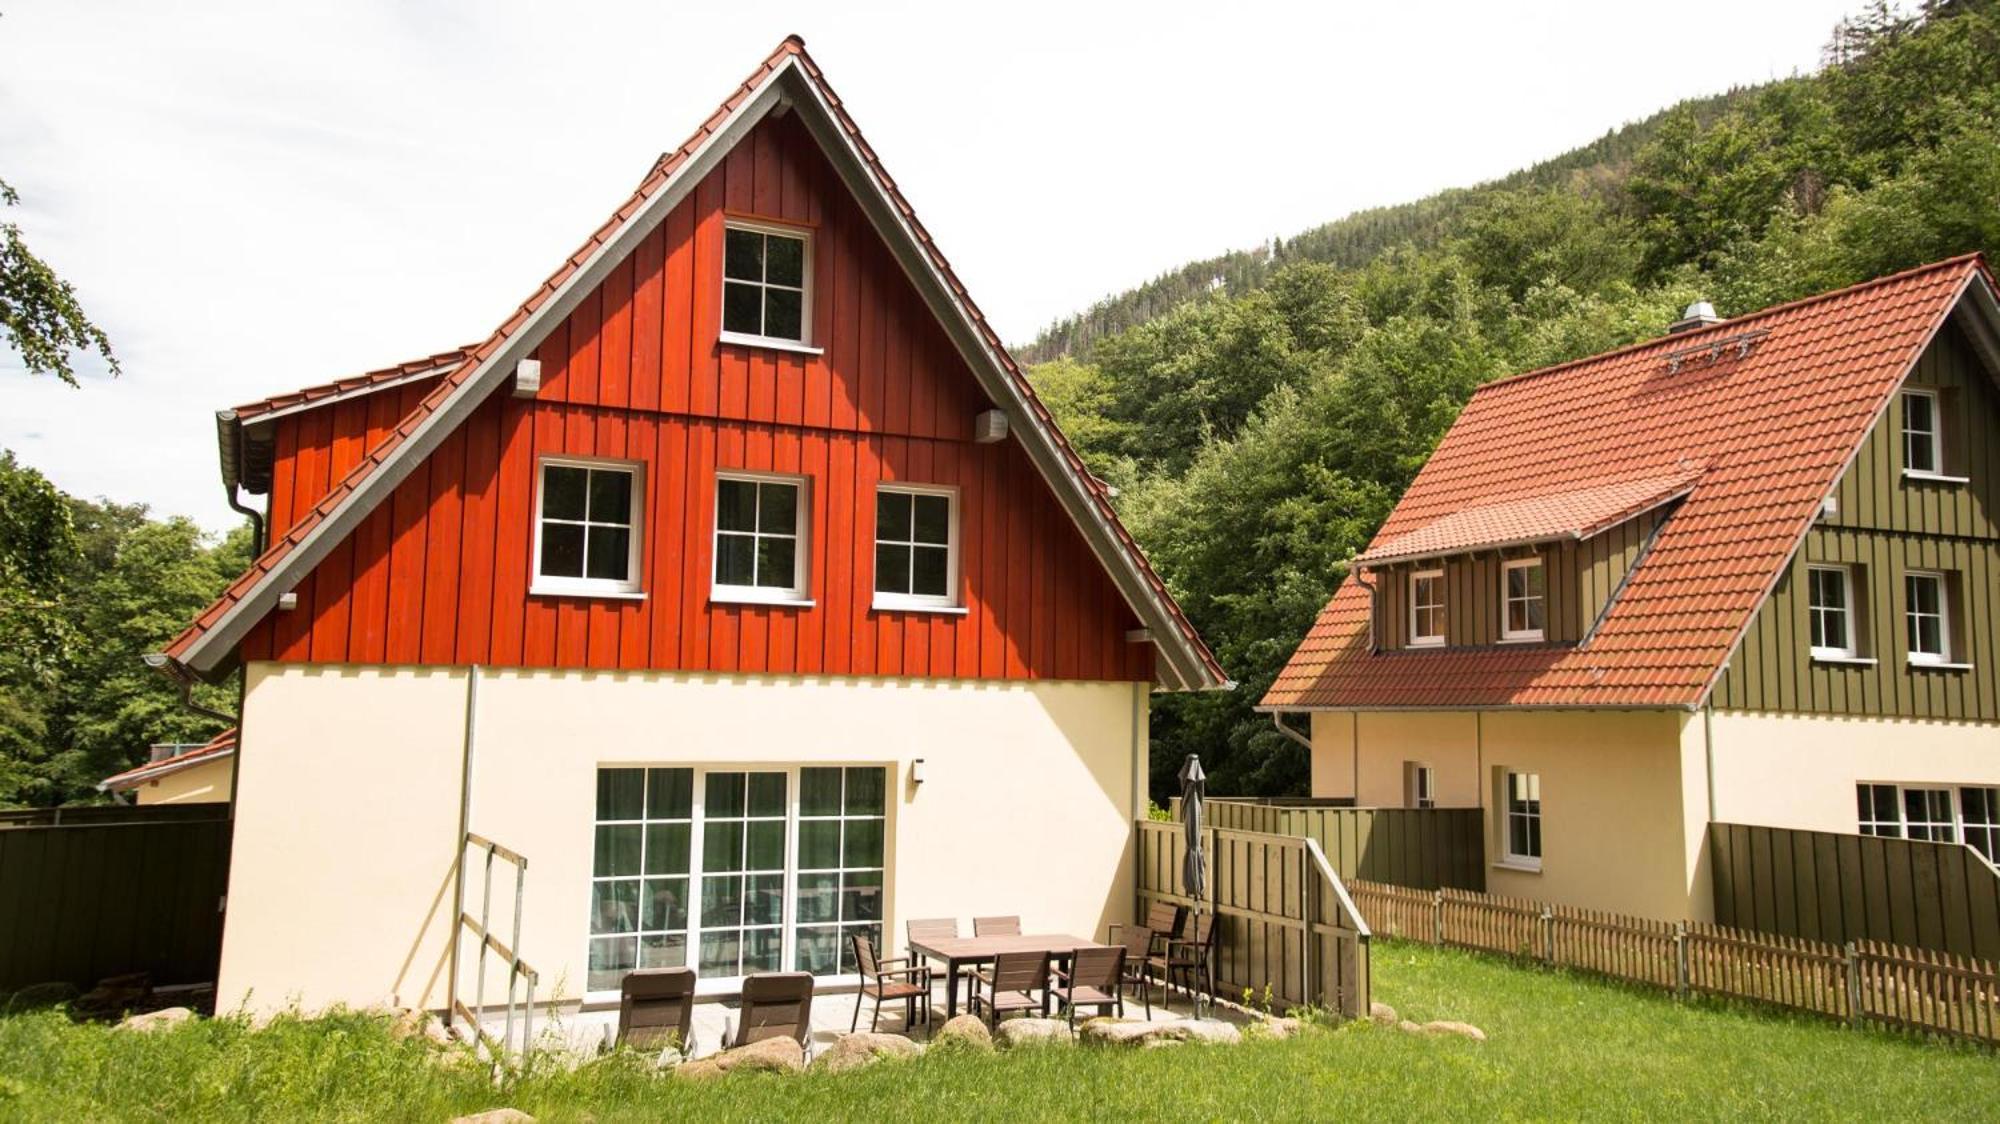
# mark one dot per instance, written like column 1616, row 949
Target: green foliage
column 43, row 319
column 86, row 589
column 1559, row 1047
column 1262, row 428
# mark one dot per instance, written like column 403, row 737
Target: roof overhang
column 222, row 748
column 245, row 436
column 1183, row 662
column 1591, row 512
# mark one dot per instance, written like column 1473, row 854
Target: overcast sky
column 252, row 197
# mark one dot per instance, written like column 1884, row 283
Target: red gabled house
column 738, row 580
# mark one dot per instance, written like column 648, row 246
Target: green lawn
column 1561, row 1046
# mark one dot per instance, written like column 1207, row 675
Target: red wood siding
column 439, row 573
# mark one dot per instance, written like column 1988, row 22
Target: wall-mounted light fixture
column 917, row 771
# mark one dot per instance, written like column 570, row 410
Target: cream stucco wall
column 206, row 783
column 1623, row 806
column 1791, row 770
column 341, row 888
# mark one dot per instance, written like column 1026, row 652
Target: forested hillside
column 86, row 589
column 1260, row 432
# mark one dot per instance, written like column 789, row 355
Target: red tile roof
column 220, row 746
column 792, row 49
column 430, row 365
column 1766, row 410
column 1571, row 514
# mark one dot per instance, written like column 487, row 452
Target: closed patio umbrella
column 1194, row 869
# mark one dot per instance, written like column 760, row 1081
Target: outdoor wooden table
column 957, row 951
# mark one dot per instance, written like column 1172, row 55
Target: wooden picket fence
column 1861, row 982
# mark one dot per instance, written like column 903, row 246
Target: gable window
column 1926, row 617
column 1935, row 813
column 1524, row 603
column 916, row 547
column 1419, row 785
column 1523, row 829
column 1923, row 445
column 760, row 538
column 766, row 297
column 587, row 528
column 1427, row 608
column 1830, row 607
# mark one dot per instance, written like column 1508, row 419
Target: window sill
column 1938, row 665
column 1519, row 866
column 541, row 590
column 1426, row 643
column 918, row 607
column 1843, row 661
column 771, row 344
column 780, row 601
column 1934, row 477
column 1524, row 638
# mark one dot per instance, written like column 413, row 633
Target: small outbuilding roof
column 218, row 748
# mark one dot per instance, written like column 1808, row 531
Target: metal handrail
column 517, row 969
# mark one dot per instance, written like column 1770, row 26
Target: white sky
column 252, row 197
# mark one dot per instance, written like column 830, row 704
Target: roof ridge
column 1736, row 322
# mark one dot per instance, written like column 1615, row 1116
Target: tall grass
column 1560, row 1046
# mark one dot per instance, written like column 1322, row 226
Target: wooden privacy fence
column 1426, row 848
column 112, row 891
column 1287, row 925
column 1833, row 887
column 1858, row 982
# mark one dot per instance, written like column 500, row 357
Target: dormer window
column 1524, row 612
column 766, row 287
column 1923, row 439
column 1427, row 608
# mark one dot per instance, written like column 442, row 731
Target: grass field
column 1560, row 1046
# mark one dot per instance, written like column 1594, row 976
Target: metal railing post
column 485, row 932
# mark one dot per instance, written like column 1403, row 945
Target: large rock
column 1408, row 1027
column 772, row 1055
column 1274, row 1027
column 157, row 1020
column 1445, row 1028
column 36, row 996
column 114, row 995
column 495, row 1116
column 1022, row 1032
column 963, row 1032
column 406, row 1024
column 1383, row 1014
column 1119, row 1032
column 852, row 1051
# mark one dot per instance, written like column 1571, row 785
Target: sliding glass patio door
column 735, row 870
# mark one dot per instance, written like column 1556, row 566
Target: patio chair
column 996, row 926
column 656, row 1005
column 775, row 1005
column 881, row 983
column 1093, row 980
column 1015, row 979
column 1193, row 959
column 1137, row 940
column 930, row 929
column 1165, row 920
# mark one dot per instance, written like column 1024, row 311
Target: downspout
column 165, row 665
column 1278, row 720
column 1372, row 606
column 458, row 857
column 1708, row 746
column 256, row 520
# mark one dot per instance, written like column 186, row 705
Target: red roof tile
column 1770, row 408
column 431, row 365
column 1571, row 514
column 792, row 48
column 222, row 745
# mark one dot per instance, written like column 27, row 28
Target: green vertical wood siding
column 1578, row 580
column 1884, row 527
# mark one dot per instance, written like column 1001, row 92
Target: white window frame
column 1936, row 433
column 913, row 601
column 1508, row 600
column 1509, row 856
column 1418, row 638
column 1420, row 785
column 788, row 923
column 797, row 594
column 1852, row 651
column 564, row 586
column 1910, row 614
column 1961, row 829
column 804, row 343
